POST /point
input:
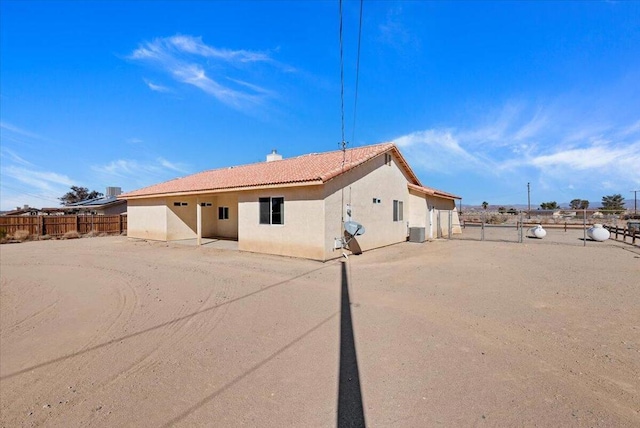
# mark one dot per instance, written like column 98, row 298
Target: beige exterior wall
column 374, row 179
column 441, row 207
column 113, row 210
column 226, row 228
column 181, row 221
column 147, row 219
column 301, row 235
column 418, row 211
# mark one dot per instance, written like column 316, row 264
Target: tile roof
column 314, row 168
column 432, row 192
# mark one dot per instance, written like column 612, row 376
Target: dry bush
column 45, row 237
column 20, row 235
column 72, row 234
column 497, row 219
column 103, row 234
column 92, row 234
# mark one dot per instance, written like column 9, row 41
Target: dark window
column 223, row 213
column 397, row 210
column 271, row 210
column 180, row 204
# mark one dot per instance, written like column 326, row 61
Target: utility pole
column 529, row 201
column 635, row 201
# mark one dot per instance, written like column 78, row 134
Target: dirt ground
column 112, row 332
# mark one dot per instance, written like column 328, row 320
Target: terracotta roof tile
column 310, row 168
column 432, row 191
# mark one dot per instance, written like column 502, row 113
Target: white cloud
column 556, row 149
column 9, row 127
column 131, row 173
column 156, row 88
column 41, row 180
column 189, row 60
column 14, row 157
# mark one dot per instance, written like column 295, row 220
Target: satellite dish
column 353, row 228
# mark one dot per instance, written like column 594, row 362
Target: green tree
column 575, row 204
column 549, row 205
column 613, row 203
column 584, row 204
column 78, row 194
column 485, row 204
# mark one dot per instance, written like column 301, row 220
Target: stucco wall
column 373, row 179
column 181, row 221
column 226, row 228
column 301, row 235
column 147, row 219
column 442, row 207
column 114, row 209
column 418, row 211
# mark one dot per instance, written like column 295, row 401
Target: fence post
column 482, row 229
column 78, row 223
column 584, row 227
column 450, row 224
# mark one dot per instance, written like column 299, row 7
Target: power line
column 355, row 102
column 341, row 79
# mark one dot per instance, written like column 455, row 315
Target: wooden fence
column 58, row 225
column 624, row 232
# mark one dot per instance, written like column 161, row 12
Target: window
column 397, row 211
column 271, row 210
column 387, row 159
column 223, row 213
column 205, row 204
column 180, row 204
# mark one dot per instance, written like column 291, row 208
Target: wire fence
column 569, row 227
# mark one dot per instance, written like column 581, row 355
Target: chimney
column 26, row 207
column 113, row 191
column 274, row 156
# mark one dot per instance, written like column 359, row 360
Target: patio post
column 199, row 222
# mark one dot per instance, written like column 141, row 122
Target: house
column 24, row 211
column 103, row 205
column 297, row 206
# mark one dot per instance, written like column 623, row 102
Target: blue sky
column 481, row 97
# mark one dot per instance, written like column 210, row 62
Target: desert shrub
column 103, row 234
column 496, row 219
column 45, row 237
column 92, row 234
column 21, row 235
column 3, row 233
column 72, row 234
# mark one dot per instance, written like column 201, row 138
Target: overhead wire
column 355, row 102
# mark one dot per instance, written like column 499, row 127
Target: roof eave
column 223, row 190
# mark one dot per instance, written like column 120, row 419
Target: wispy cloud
column 9, row 127
column 14, row 157
column 131, row 173
column 560, row 150
column 156, row 88
column 40, row 180
column 188, row 60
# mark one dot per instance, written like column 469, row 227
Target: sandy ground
column 111, row 332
